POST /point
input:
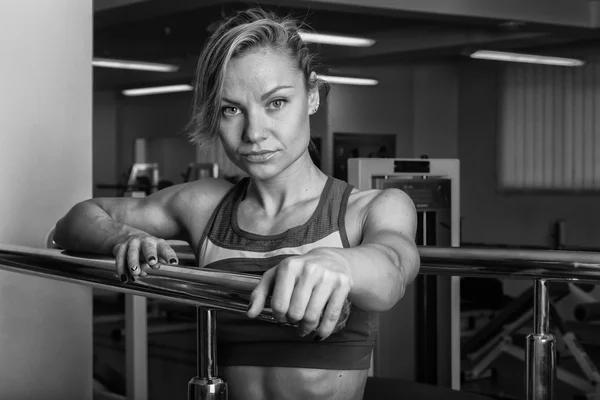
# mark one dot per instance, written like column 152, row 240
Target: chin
column 263, row 172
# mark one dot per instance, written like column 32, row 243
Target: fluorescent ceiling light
column 343, row 80
column 157, row 90
column 526, row 58
column 338, row 40
column 136, row 65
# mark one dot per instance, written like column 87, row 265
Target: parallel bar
column 220, row 290
column 456, row 261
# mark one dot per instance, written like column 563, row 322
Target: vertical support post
column 207, row 386
column 136, row 347
column 541, row 348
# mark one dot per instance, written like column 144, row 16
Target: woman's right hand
column 138, row 253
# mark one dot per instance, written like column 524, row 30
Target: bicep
column 391, row 220
column 157, row 214
column 391, row 213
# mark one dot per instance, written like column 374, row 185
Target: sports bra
column 246, row 341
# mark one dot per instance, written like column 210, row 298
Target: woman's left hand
column 308, row 290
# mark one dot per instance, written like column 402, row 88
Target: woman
column 315, row 240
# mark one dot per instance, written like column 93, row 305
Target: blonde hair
column 249, row 30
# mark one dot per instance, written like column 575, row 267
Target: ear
column 313, row 96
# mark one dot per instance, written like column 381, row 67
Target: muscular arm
column 97, row 225
column 387, row 259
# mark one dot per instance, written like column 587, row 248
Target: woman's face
column 264, row 124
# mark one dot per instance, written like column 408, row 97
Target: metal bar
column 228, row 291
column 207, row 385
column 207, row 345
column 219, row 290
column 552, row 265
column 541, row 307
column 136, row 348
column 541, row 348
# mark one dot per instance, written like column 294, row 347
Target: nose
column 255, row 129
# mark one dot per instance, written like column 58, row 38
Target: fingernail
column 249, row 307
column 123, row 278
column 318, row 338
column 173, row 261
column 134, row 268
column 281, row 324
column 151, row 259
column 302, row 334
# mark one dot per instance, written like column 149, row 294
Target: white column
column 45, row 168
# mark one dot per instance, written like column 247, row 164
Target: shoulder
column 382, row 204
column 376, row 198
column 202, row 194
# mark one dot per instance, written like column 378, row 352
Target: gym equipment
column 419, row 339
column 483, row 348
column 539, row 266
column 197, row 171
column 143, row 180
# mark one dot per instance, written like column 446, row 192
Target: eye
column 277, row 104
column 230, row 110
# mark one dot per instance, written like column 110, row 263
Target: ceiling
column 406, row 31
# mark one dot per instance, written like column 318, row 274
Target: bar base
column 541, row 366
column 207, row 389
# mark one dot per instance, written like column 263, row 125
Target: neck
column 299, row 182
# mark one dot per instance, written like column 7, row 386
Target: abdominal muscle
column 284, row 383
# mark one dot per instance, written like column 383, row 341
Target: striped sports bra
column 245, row 341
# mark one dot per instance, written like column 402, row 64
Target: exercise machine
column 419, row 338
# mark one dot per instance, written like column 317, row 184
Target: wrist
column 337, row 259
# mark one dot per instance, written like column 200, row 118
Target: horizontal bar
column 224, row 290
column 553, row 265
column 218, row 290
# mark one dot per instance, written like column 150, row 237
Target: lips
column 259, row 156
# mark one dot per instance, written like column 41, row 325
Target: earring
column 314, row 110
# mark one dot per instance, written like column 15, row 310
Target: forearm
column 88, row 228
column 379, row 273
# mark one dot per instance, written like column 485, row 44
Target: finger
column 314, row 309
column 166, row 252
column 283, row 289
column 120, row 261
column 149, row 252
column 300, row 298
column 144, row 268
column 258, row 297
column 332, row 314
column 133, row 258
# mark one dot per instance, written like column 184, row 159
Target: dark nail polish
column 173, row 261
column 318, row 338
column 123, row 278
column 151, row 259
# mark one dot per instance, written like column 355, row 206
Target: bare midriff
column 283, row 383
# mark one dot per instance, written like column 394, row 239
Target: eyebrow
column 275, row 89
column 265, row 95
